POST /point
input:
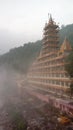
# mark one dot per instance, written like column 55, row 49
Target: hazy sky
column 23, row 20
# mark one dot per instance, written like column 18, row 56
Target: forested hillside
column 67, row 31
column 22, row 57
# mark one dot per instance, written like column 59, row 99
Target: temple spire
column 65, row 47
column 50, row 19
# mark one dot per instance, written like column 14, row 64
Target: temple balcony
column 54, row 26
column 46, row 55
column 49, row 59
column 50, row 45
column 48, row 72
column 50, row 32
column 51, row 40
column 51, row 78
column 48, row 66
column 50, row 85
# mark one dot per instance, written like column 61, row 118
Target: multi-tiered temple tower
column 48, row 70
column 50, row 38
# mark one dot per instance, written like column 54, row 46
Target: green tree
column 18, row 122
column 15, row 115
column 69, row 69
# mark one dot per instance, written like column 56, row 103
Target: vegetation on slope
column 67, row 31
column 21, row 58
column 69, row 69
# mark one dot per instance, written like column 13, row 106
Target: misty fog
column 10, row 39
column 7, row 83
column 16, row 98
